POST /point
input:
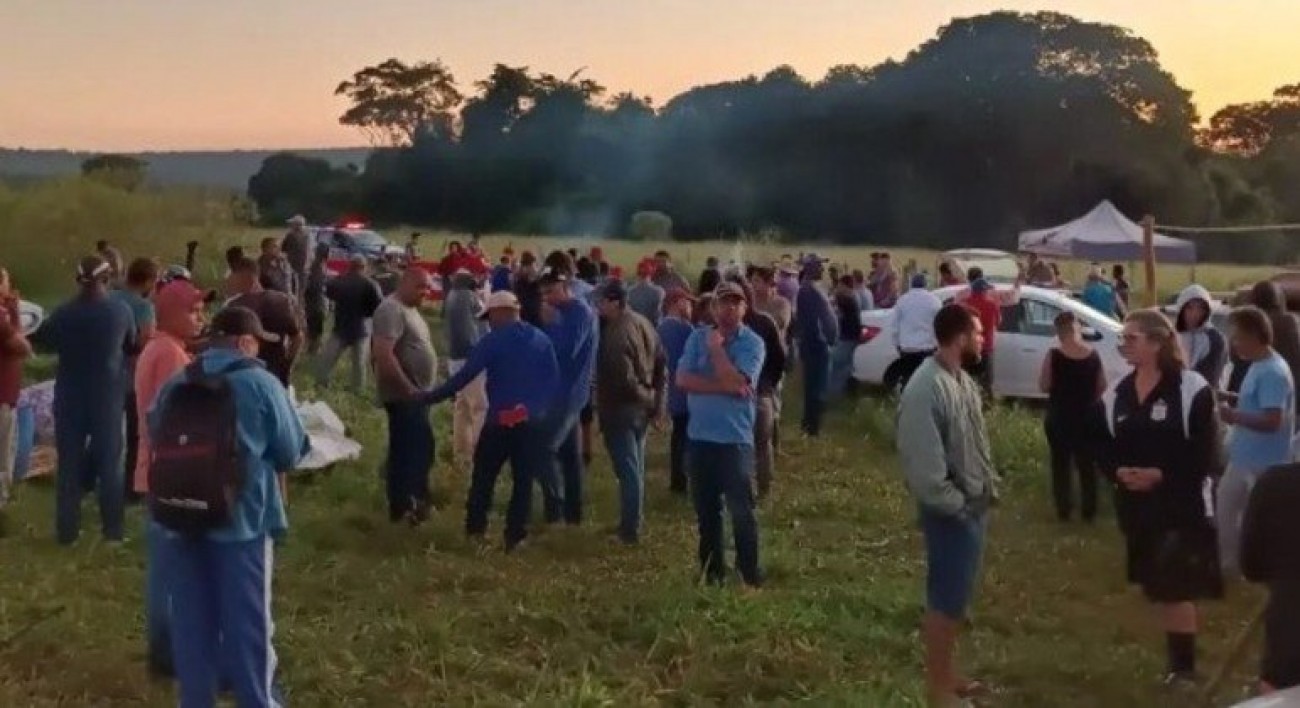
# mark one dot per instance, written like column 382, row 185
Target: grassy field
column 380, row 615
column 370, row 614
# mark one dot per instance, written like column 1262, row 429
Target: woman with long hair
column 1073, row 379
column 1158, row 435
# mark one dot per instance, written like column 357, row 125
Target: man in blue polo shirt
column 522, row 380
column 719, row 371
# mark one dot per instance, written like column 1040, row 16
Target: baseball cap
column 812, row 259
column 980, row 285
column 729, row 289
column 178, row 296
column 500, row 300
column 551, row 276
column 240, row 322
column 676, row 295
column 614, row 290
column 297, row 220
column 918, row 280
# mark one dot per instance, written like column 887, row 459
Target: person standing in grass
column 1158, row 437
column 528, row 290
column 220, row 581
column 277, row 313
column 673, row 331
column 522, row 380
column 136, row 293
column 274, row 270
column 913, row 325
column 1271, row 556
column 297, row 249
column 462, row 311
column 1262, row 416
column 1205, row 347
column 92, row 334
column 816, row 331
column 180, row 321
column 1268, row 297
column 944, row 449
column 1073, row 379
column 630, row 378
column 14, row 350
column 768, row 389
column 356, row 297
column 405, row 366
column 645, row 298
column 719, row 370
column 574, row 333
column 313, row 299
column 848, row 314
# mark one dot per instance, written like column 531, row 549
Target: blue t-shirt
column 141, row 308
column 721, row 418
column 521, row 370
column 673, row 333
column 271, row 440
column 91, row 336
column 500, row 278
column 573, row 335
column 1267, row 385
column 1100, row 297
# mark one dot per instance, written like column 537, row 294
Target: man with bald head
column 405, row 364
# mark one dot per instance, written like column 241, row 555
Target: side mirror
column 1091, row 335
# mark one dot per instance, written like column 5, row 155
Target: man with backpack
column 220, row 432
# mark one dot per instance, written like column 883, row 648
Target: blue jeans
column 723, row 472
column 158, row 599
column 816, row 376
column 624, row 431
column 953, row 548
column 560, row 474
column 221, row 605
column 841, row 368
column 410, row 455
column 89, row 438
column 523, row 446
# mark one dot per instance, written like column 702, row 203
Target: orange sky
column 190, row 74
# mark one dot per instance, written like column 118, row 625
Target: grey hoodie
column 1205, row 347
column 461, row 314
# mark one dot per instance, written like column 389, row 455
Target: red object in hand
column 511, row 417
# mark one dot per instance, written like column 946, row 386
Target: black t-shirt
column 849, row 316
column 774, row 350
column 356, row 297
column 279, row 316
column 529, row 292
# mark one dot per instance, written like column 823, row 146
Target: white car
column 998, row 266
column 1027, row 334
column 30, row 315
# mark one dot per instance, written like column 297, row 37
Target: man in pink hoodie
column 180, row 316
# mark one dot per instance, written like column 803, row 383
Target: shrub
column 650, row 226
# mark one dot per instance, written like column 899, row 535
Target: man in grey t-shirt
column 647, row 299
column 405, row 363
column 460, row 314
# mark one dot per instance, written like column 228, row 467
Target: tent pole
column 1149, row 258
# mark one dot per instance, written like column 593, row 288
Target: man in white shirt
column 914, row 328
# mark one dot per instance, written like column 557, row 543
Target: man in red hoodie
column 983, row 303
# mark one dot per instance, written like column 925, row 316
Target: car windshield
column 996, row 270
column 366, row 239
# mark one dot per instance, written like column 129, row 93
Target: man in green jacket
column 944, row 449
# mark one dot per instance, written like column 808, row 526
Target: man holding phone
column 1263, row 420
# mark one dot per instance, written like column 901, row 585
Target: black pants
column 523, row 446
column 1069, row 453
column 908, row 363
column 131, row 452
column 410, row 456
column 677, row 454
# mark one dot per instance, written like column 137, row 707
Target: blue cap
column 980, row 285
column 918, row 280
column 614, row 290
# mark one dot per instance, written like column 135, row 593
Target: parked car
column 1027, row 333
column 998, row 266
column 30, row 316
column 350, row 239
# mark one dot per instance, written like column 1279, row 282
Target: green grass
column 373, row 614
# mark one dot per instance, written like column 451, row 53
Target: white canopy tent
column 1103, row 234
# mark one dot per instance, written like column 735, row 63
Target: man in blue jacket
column 816, row 330
column 522, row 378
column 571, row 324
column 221, row 582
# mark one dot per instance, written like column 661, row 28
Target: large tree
column 121, row 171
column 393, row 102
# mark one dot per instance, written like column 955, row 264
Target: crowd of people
column 543, row 352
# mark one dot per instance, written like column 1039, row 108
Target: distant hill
column 230, row 168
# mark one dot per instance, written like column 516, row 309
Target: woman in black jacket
column 1158, row 442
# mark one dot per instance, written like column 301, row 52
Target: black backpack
column 195, row 471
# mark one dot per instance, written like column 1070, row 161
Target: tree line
column 998, row 123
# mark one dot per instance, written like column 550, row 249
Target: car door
column 1019, row 352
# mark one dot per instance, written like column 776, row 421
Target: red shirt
column 990, row 314
column 11, row 364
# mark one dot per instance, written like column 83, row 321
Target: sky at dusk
column 197, row 74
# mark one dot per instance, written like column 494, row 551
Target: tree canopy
column 998, row 123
